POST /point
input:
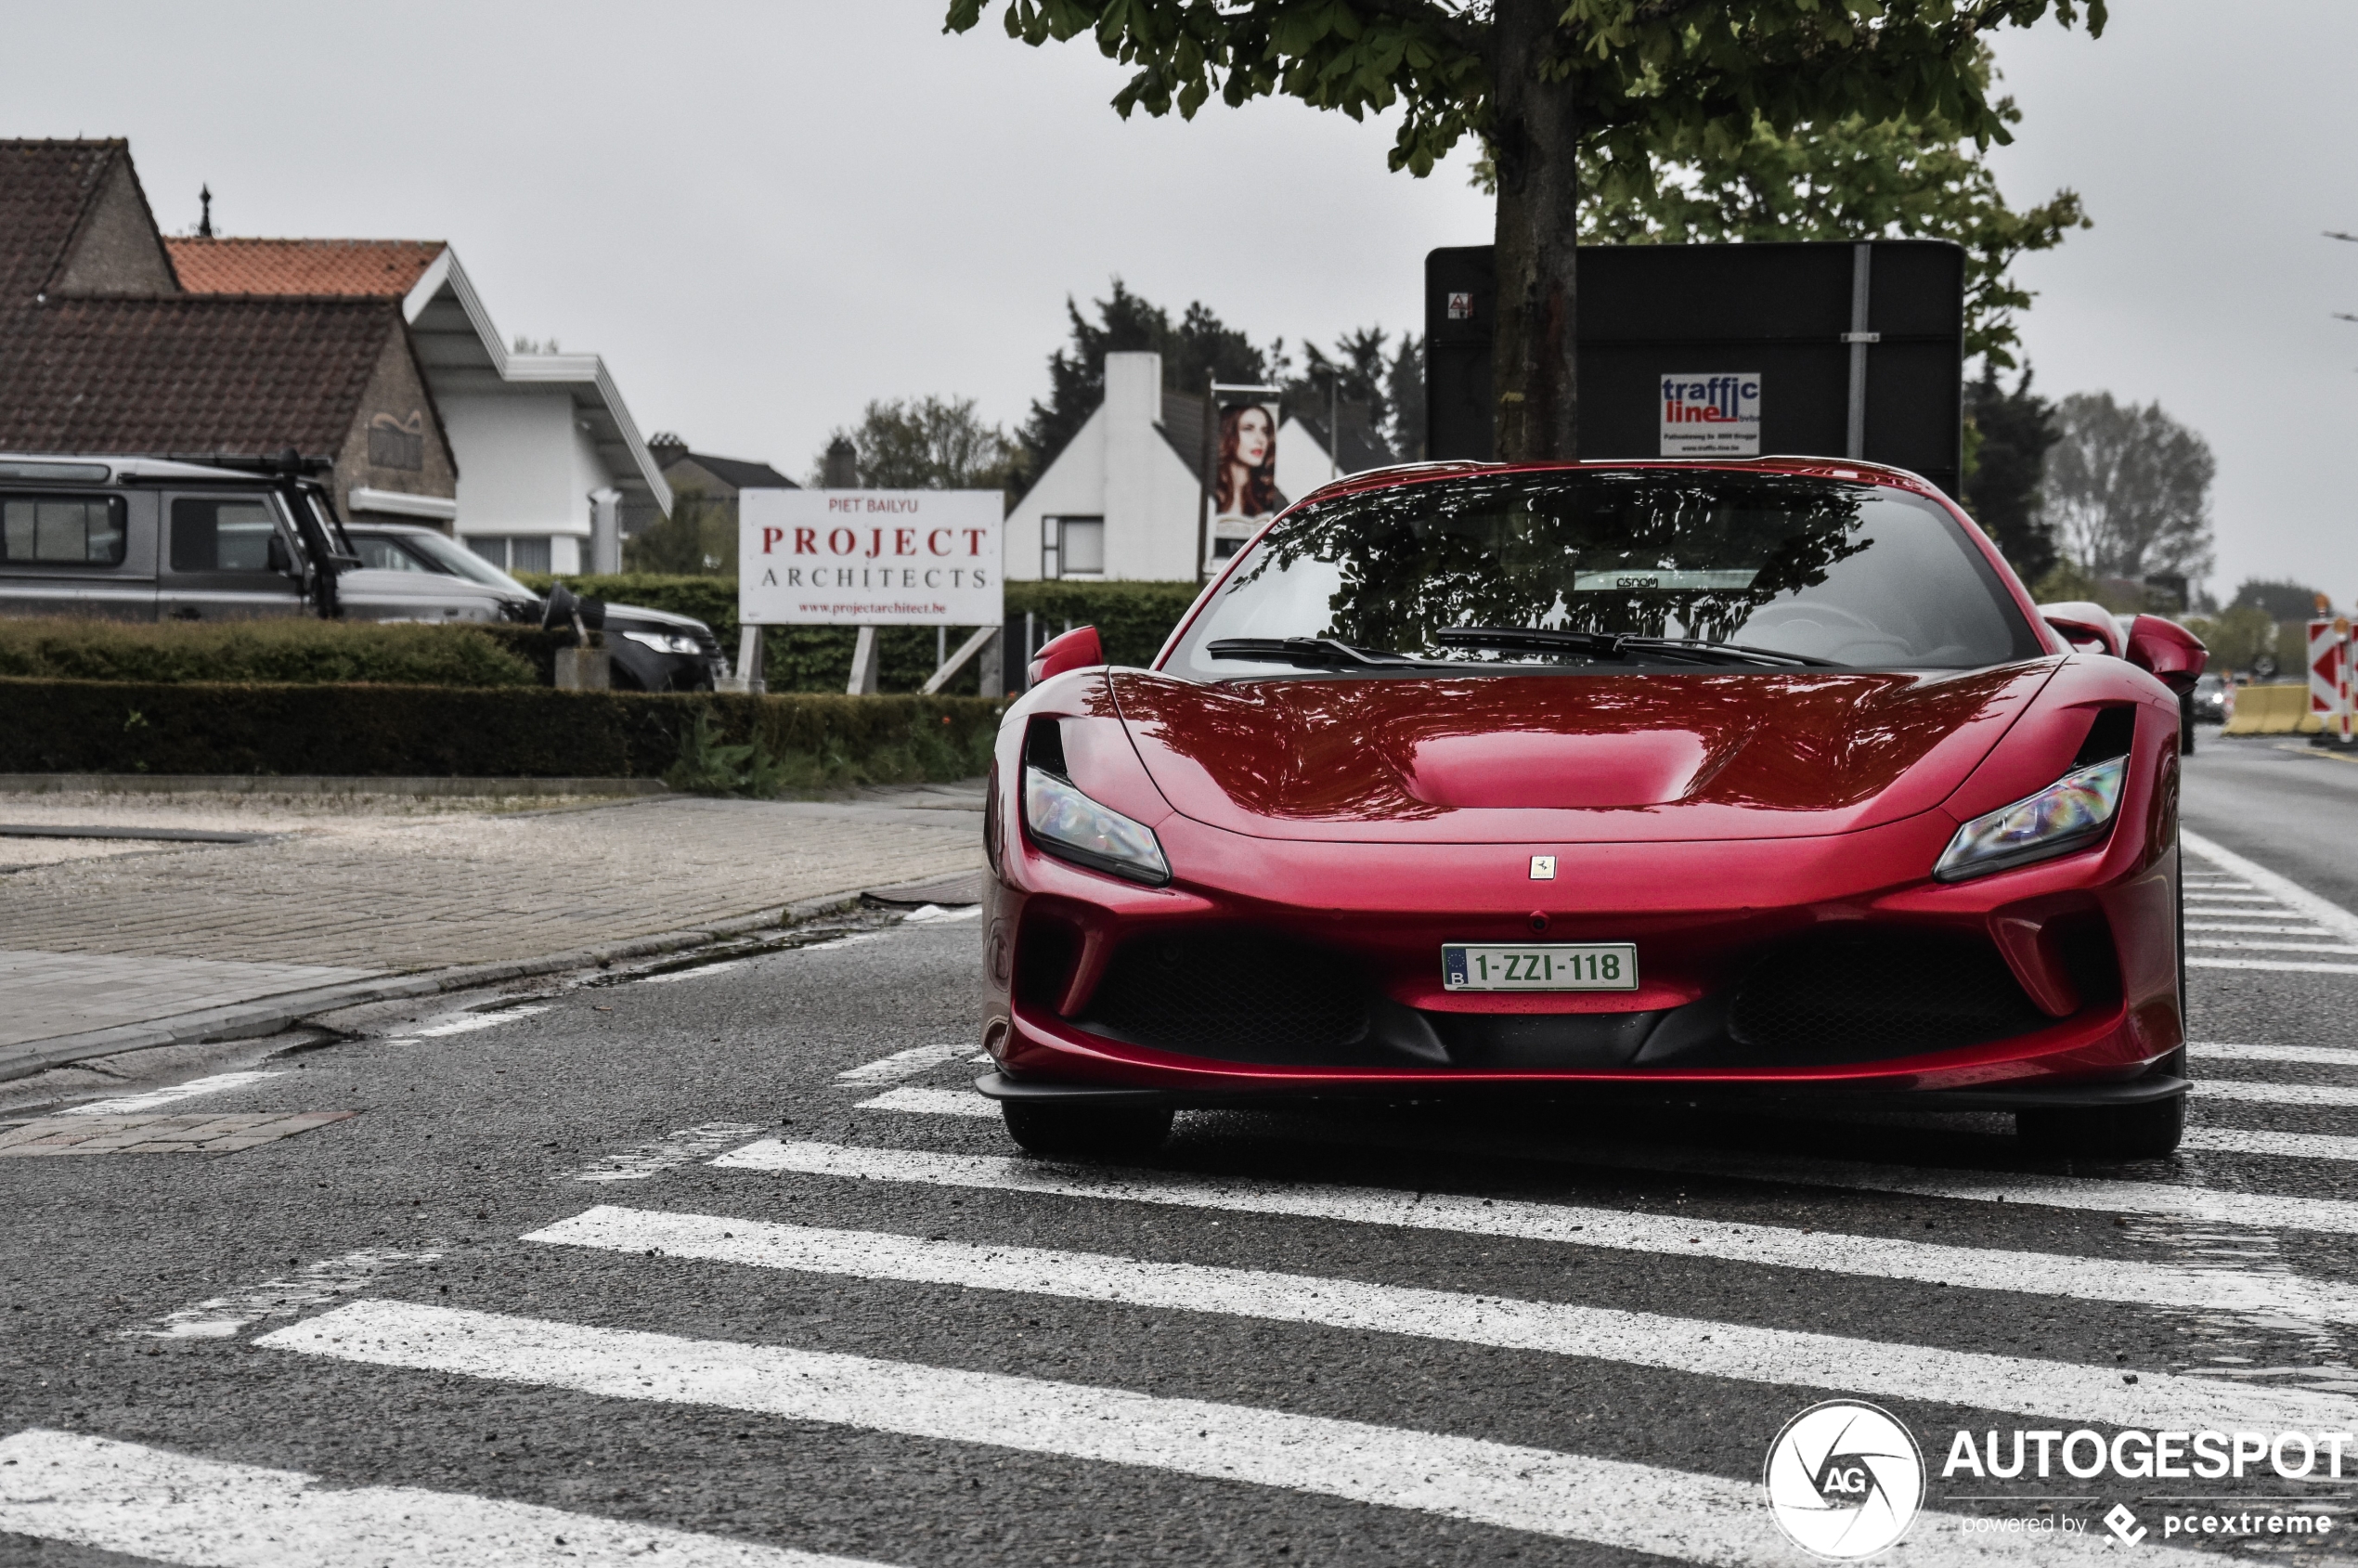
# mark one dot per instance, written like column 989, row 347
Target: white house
column 547, row 452
column 1123, row 501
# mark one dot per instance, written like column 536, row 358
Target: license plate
column 1540, row 966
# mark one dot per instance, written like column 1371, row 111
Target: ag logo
column 1845, row 1479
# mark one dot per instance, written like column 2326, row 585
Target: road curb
column 248, row 1020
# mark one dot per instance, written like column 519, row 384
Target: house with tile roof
column 552, row 466
column 104, row 350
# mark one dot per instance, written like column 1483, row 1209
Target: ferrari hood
column 1499, row 758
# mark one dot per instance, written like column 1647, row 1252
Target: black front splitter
column 2152, row 1087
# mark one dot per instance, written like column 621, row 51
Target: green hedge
column 290, row 650
column 1133, row 618
column 809, row 743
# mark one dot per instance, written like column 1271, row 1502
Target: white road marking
column 2279, row 929
column 1610, row 1502
column 2292, row 894
column 1977, row 1268
column 2289, row 1146
column 2195, row 899
column 903, row 1064
column 131, row 1105
column 934, row 1102
column 2270, row 964
column 467, row 1023
column 658, row 1155
column 696, row 973
column 2269, row 947
column 171, row 1507
column 2324, row 1056
column 2259, row 1091
column 218, row 1318
column 929, row 915
column 2020, row 1384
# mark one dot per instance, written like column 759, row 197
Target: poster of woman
column 1244, row 483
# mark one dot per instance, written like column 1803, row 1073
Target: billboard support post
column 1862, row 267
column 863, row 664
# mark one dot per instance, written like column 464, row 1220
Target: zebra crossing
column 2237, row 910
column 2199, row 1306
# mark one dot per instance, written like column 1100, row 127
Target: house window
column 512, row 554
column 58, row 531
column 1071, row 547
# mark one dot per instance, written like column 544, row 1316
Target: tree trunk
column 1535, row 145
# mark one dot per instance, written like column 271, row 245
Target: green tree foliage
column 1850, row 178
column 2010, row 433
column 1196, row 347
column 2281, row 599
column 698, row 539
column 1543, row 84
column 925, row 443
column 2237, row 637
column 2128, row 490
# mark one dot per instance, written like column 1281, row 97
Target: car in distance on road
column 651, row 650
column 2210, row 700
column 1751, row 778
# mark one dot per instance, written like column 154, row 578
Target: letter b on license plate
column 1540, row 966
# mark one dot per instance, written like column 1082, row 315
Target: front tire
column 2145, row 1132
column 1086, row 1131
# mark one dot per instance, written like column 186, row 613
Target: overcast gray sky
column 765, row 216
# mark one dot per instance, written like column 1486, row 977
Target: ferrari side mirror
column 2080, row 622
column 2167, row 650
column 1077, row 649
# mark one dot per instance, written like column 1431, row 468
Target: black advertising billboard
column 1822, row 349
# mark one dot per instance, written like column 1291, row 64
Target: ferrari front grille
column 1233, row 996
column 1872, row 995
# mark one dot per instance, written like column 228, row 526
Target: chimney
column 842, row 470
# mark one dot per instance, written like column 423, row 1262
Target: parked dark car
column 653, row 650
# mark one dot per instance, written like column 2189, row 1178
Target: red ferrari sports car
column 1760, row 777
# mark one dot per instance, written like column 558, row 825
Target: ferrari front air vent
column 1233, row 996
column 1873, row 995
column 2108, row 736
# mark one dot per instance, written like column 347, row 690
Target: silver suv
column 144, row 540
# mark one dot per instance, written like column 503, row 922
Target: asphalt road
column 869, row 1331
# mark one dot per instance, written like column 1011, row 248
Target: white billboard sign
column 869, row 558
column 1710, row 415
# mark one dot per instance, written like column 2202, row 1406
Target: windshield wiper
column 1314, row 652
column 1620, row 645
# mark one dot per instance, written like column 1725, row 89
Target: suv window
column 383, row 554
column 222, row 534
column 61, row 530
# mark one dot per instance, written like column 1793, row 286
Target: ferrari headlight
column 2069, row 814
column 664, row 641
column 1069, row 825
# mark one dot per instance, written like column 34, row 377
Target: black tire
column 1086, row 1131
column 2145, row 1132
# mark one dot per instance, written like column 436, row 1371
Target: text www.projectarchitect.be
column 895, row 607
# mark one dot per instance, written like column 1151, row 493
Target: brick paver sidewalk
column 356, row 888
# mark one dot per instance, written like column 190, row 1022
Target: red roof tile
column 377, row 268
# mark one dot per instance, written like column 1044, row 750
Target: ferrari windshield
column 1604, row 568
